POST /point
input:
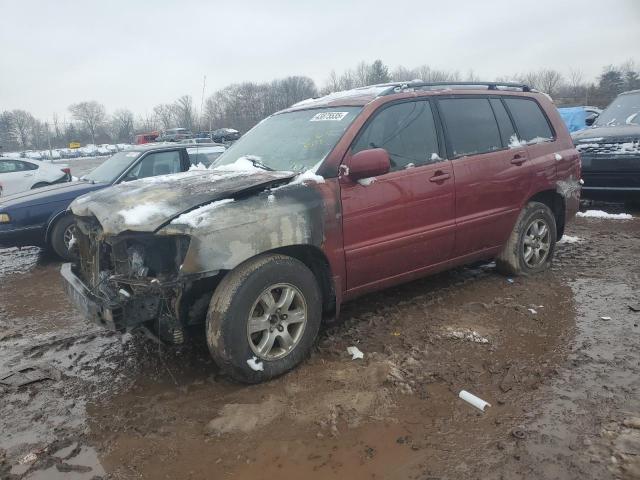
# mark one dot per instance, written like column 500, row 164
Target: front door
column 404, row 220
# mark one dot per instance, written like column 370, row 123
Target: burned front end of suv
column 125, row 281
column 158, row 271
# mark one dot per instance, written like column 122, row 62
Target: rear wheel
column 532, row 242
column 263, row 318
column 62, row 237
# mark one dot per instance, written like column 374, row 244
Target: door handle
column 518, row 159
column 440, row 177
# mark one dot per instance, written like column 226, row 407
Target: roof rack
column 400, row 86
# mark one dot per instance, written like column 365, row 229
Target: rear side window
column 406, row 130
column 507, row 132
column 531, row 123
column 470, row 125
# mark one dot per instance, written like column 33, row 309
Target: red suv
column 320, row 203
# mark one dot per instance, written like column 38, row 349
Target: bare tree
column 184, row 112
column 550, row 80
column 91, row 114
column 21, row 126
column 166, row 114
column 122, row 125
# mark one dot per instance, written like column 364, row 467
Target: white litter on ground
column 605, row 318
column 533, row 311
column 255, row 364
column 466, row 334
column 355, row 353
column 471, row 399
column 569, row 239
column 603, row 214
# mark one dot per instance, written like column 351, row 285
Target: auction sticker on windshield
column 328, row 116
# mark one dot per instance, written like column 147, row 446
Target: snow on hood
column 146, row 205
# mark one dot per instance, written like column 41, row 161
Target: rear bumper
column 91, row 306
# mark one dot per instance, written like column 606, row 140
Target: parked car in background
column 330, row 199
column 205, row 154
column 205, row 140
column 225, row 135
column 174, row 135
column 20, row 175
column 143, row 138
column 579, row 118
column 39, row 217
column 610, row 151
column 592, row 114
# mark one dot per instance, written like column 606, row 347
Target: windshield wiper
column 259, row 164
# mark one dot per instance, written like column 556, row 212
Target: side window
column 471, row 126
column 531, row 123
column 507, row 132
column 8, row 167
column 27, row 166
column 159, row 163
column 406, row 130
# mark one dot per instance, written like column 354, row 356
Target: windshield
column 294, row 141
column 624, row 110
column 112, row 168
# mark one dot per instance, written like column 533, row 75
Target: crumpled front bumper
column 94, row 308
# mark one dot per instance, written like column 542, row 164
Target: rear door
column 491, row 177
column 536, row 134
column 15, row 176
column 404, row 220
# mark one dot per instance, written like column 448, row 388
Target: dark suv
column 610, row 151
column 320, row 203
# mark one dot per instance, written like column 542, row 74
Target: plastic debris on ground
column 471, row 399
column 355, row 353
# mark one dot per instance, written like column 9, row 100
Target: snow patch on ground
column 569, row 239
column 195, row 217
column 465, row 334
column 141, row 214
column 603, row 214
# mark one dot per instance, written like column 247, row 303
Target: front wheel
column 62, row 237
column 263, row 318
column 532, row 242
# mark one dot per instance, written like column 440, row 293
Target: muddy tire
column 60, row 237
column 532, row 242
column 265, row 313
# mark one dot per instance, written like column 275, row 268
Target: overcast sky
column 136, row 54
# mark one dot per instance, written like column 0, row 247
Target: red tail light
column 67, row 171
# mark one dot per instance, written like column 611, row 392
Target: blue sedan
column 40, row 218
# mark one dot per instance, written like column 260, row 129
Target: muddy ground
column 563, row 382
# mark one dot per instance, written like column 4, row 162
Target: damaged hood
column 148, row 204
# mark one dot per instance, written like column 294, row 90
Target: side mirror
column 590, row 119
column 368, row 163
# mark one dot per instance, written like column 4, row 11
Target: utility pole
column 204, row 83
column 46, row 126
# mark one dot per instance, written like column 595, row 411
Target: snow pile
column 365, row 182
column 308, row 176
column 603, row 214
column 141, row 214
column 195, row 217
column 515, row 142
column 196, row 168
column 242, row 164
column 569, row 239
